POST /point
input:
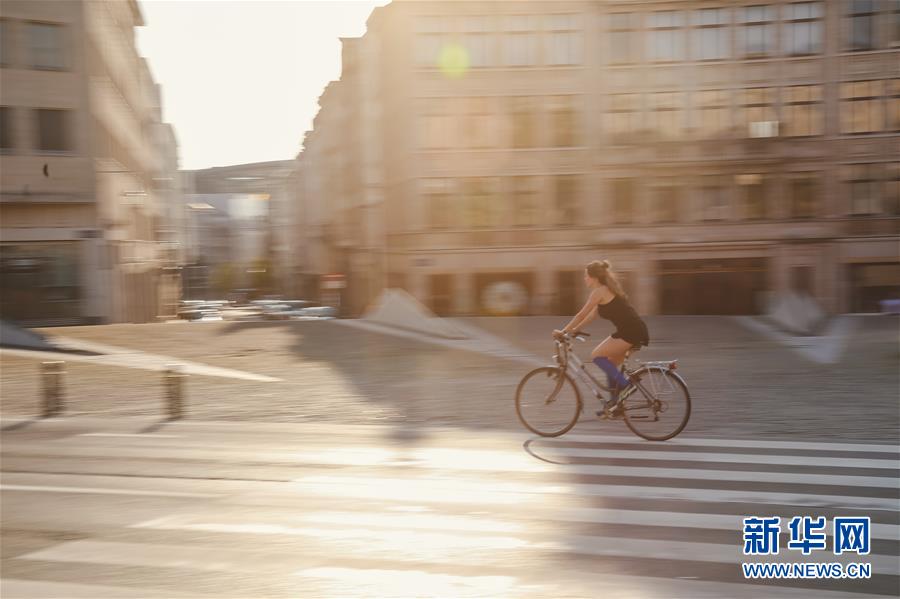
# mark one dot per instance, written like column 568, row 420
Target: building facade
column 240, row 220
column 715, row 152
column 87, row 167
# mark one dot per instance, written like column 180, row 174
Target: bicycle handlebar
column 580, row 335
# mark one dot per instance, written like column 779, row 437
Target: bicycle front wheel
column 548, row 402
column 659, row 406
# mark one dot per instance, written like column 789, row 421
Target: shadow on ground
column 742, row 383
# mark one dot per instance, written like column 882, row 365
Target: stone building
column 87, row 171
column 715, row 152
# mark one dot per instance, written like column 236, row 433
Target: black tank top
column 620, row 313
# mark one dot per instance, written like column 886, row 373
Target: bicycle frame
column 575, row 367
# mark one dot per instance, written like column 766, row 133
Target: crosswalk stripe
column 341, row 434
column 709, row 552
column 404, row 545
column 741, row 458
column 362, row 581
column 736, row 476
column 507, row 521
column 397, row 583
column 103, row 491
column 492, row 460
column 742, row 443
column 456, row 491
column 16, row 588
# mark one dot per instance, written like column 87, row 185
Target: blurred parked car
column 276, row 311
column 318, row 312
column 195, row 310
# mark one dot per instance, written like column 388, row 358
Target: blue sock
column 616, row 380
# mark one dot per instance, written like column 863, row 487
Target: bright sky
column 240, row 78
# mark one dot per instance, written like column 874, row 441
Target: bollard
column 173, row 382
column 53, row 373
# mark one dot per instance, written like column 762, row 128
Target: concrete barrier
column 796, row 314
column 53, row 375
column 398, row 309
column 173, row 385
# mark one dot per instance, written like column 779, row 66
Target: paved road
column 134, row 508
column 744, row 384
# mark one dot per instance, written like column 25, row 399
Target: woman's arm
column 587, row 313
column 577, row 326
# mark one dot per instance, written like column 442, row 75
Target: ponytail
column 602, row 271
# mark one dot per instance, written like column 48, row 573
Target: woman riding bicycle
column 607, row 300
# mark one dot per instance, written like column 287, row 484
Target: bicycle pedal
column 609, row 414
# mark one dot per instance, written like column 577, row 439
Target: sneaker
column 611, row 409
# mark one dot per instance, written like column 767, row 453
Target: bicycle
column 655, row 390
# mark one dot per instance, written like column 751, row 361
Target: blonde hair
column 602, row 271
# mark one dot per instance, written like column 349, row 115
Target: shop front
column 41, row 282
column 712, row 286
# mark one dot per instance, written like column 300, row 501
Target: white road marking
column 104, row 491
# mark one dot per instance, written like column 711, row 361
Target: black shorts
column 636, row 334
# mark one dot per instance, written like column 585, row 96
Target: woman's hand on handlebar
column 557, row 334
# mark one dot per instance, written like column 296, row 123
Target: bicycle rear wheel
column 659, row 406
column 548, row 402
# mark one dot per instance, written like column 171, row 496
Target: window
column 753, row 195
column 713, row 199
column 665, row 38
column 479, row 193
column 756, row 105
column 41, row 280
column 46, row 43
column 892, row 104
column 623, row 201
column 431, row 32
column 803, row 114
column 861, row 107
column 756, row 37
column 479, row 42
column 804, row 195
column 862, row 189
column 520, row 42
column 438, row 129
column 666, row 114
column 624, row 116
column 5, row 46
column 6, row 133
column 427, row 50
column 477, row 124
column 892, row 189
column 713, row 119
column 564, row 122
column 861, row 28
column 438, row 195
column 894, row 17
column 802, row 279
column 525, row 201
column 565, row 194
column 564, row 41
column 710, row 39
column 53, row 131
column 666, row 201
column 803, row 28
column 623, row 38
column 523, row 123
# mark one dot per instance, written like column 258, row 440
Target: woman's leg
column 612, row 349
column 608, row 356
